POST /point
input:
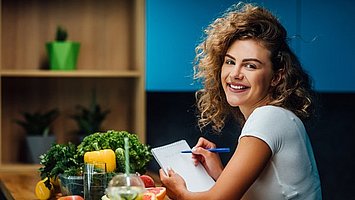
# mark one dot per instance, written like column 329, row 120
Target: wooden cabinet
column 111, row 61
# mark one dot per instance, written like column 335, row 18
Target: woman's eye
column 230, row 62
column 250, row 66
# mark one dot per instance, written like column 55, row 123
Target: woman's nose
column 236, row 73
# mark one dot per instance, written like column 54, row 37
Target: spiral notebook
column 196, row 177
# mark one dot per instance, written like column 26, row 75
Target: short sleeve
column 268, row 123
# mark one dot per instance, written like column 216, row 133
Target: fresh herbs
column 60, row 159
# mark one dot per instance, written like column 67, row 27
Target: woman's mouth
column 237, row 87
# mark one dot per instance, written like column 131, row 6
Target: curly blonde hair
column 246, row 21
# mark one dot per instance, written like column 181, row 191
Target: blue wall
column 330, row 58
column 174, row 28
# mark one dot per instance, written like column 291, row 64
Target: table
column 19, row 181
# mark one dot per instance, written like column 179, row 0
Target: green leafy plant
column 38, row 123
column 89, row 119
column 60, row 159
column 61, row 34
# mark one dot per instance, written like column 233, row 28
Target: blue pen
column 215, row 150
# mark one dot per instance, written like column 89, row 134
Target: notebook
column 196, row 177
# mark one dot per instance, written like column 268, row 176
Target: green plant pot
column 63, row 55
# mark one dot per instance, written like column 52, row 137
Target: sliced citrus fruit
column 72, row 197
column 149, row 196
column 147, row 180
column 42, row 192
column 159, row 192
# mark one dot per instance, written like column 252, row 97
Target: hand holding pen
column 203, row 153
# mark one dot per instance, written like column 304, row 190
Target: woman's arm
column 248, row 161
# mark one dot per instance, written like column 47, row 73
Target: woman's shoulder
column 272, row 110
column 273, row 114
column 270, row 124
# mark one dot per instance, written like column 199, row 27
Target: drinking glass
column 125, row 186
column 95, row 180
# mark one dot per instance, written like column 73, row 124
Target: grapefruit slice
column 148, row 181
column 159, row 192
column 71, row 197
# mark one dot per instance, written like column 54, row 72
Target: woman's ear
column 277, row 77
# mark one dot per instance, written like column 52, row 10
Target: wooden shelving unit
column 62, row 74
column 111, row 61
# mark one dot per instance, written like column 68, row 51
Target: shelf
column 75, row 74
column 111, row 61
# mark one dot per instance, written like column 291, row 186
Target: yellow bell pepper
column 102, row 156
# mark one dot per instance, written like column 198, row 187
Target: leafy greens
column 68, row 159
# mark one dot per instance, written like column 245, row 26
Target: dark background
column 172, row 116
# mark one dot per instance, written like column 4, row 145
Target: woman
column 249, row 71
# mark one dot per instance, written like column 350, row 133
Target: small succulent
column 61, row 34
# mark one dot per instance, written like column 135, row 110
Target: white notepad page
column 196, row 177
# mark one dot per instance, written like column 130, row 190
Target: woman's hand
column 174, row 183
column 210, row 161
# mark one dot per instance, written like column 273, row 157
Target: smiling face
column 246, row 75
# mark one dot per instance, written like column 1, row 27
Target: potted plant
column 89, row 119
column 39, row 137
column 63, row 54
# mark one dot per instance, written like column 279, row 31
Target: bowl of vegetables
column 66, row 160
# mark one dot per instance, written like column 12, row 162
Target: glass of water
column 95, row 180
column 125, row 186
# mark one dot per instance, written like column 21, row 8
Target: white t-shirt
column 292, row 172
